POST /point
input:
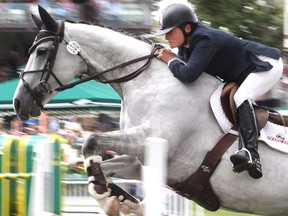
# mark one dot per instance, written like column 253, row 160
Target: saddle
column 197, row 187
column 263, row 114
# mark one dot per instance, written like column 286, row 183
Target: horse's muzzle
column 17, row 108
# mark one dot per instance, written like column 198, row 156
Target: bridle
column 44, row 88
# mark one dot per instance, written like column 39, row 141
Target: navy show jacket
column 220, row 54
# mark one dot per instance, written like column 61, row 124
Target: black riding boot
column 250, row 160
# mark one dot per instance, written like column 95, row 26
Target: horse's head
column 47, row 68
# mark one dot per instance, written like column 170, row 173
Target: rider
column 256, row 68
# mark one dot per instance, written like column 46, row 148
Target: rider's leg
column 255, row 85
column 249, row 133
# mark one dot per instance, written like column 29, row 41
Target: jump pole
column 154, row 175
column 46, row 184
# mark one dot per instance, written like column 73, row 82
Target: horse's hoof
column 89, row 146
column 114, row 208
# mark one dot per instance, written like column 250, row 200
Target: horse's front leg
column 124, row 167
column 129, row 141
column 106, row 192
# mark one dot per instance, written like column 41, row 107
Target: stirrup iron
column 247, row 153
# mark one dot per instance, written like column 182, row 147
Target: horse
column 153, row 104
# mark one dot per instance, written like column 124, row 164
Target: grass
column 225, row 213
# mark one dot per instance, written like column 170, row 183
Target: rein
column 125, row 78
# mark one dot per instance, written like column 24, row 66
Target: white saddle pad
column 272, row 134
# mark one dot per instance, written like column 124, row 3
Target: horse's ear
column 37, row 21
column 48, row 21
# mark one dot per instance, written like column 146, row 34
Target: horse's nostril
column 16, row 105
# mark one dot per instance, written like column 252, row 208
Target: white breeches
column 257, row 84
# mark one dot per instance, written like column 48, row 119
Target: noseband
column 44, row 88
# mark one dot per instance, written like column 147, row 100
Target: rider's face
column 175, row 38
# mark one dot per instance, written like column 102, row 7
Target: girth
column 197, row 187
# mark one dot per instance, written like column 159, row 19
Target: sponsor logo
column 280, row 138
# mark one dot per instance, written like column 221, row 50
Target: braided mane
column 138, row 37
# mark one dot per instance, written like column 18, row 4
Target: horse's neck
column 105, row 48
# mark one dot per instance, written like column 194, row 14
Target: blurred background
column 72, row 117
column 259, row 20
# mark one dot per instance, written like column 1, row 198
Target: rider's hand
column 165, row 55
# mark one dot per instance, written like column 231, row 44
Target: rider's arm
column 202, row 52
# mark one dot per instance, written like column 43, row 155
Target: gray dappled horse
column 154, row 104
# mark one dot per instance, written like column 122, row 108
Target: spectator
column 16, row 127
column 62, row 131
column 4, row 73
column 2, row 129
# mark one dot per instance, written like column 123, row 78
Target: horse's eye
column 41, row 51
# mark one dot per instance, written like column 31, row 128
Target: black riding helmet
column 176, row 15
